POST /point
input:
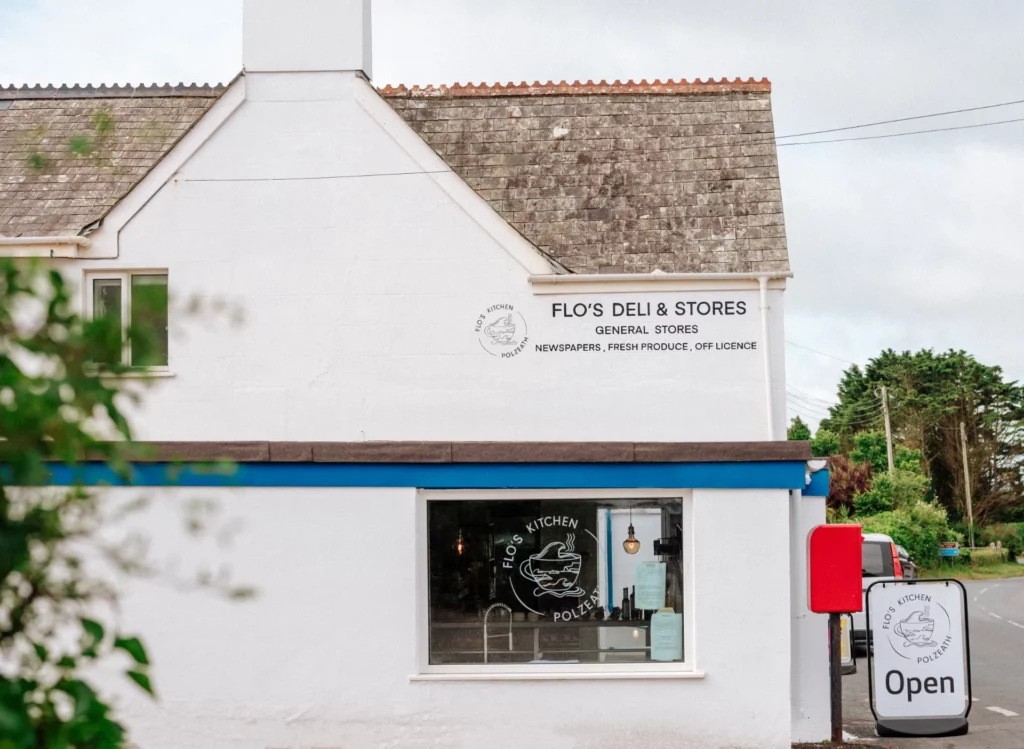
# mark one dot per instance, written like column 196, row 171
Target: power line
column 806, row 348
column 901, row 119
column 866, row 405
column 809, row 408
column 858, row 420
column 850, row 417
column 900, row 135
column 856, row 411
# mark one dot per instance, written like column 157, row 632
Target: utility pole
column 967, row 483
column 888, row 429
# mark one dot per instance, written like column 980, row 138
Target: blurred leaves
column 53, row 407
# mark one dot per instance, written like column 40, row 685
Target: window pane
column 876, row 560
column 106, row 304
column 149, row 321
column 548, row 581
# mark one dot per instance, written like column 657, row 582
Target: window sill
column 138, row 374
column 561, row 676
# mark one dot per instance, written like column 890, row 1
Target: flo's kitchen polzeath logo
column 551, row 573
column 501, row 331
column 917, row 628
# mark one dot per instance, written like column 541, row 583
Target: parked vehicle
column 909, row 568
column 880, row 560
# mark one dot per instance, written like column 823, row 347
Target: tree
column 871, row 447
column 53, row 406
column 798, row 430
column 930, row 394
column 824, row 444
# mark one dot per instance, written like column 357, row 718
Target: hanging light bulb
column 631, row 545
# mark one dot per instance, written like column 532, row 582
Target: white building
column 483, row 330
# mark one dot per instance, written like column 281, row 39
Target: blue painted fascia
column 819, row 484
column 749, row 475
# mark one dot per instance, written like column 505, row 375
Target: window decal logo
column 547, row 582
column 555, row 570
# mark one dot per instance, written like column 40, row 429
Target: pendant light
column 631, row 545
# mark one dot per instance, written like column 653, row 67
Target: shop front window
column 543, row 581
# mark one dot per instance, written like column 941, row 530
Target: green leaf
column 41, row 651
column 142, row 679
column 134, row 648
column 94, row 629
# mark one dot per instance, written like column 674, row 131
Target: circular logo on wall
column 501, row 331
column 918, row 628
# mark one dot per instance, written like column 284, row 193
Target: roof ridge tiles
column 103, row 91
column 576, row 88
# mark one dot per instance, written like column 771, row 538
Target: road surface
column 996, row 617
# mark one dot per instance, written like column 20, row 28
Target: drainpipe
column 762, row 282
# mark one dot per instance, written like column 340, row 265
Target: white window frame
column 685, row 669
column 125, row 277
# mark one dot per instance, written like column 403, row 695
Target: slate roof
column 68, row 155
column 618, row 177
column 603, row 177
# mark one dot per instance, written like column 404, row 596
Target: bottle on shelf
column 632, row 605
column 627, row 612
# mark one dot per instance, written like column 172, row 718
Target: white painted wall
column 322, row 657
column 810, row 676
column 306, row 35
column 361, row 281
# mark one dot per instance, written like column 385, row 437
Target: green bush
column 918, row 528
column 1010, row 535
column 877, row 499
column 902, row 490
column 825, row 444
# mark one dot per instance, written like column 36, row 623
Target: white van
column 880, row 560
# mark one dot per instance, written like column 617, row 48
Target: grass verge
column 980, row 572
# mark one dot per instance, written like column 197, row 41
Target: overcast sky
column 904, row 243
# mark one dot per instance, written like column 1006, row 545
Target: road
column 996, row 618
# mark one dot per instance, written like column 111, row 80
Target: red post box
column 834, row 569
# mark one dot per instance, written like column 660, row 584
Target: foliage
column 36, row 161
column 918, row 528
column 824, row 444
column 930, row 395
column 1009, row 535
column 870, row 447
column 878, row 497
column 838, row 514
column 798, row 430
column 846, row 480
column 53, row 406
column 901, row 490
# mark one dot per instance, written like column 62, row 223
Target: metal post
column 967, row 483
column 888, row 429
column 836, row 675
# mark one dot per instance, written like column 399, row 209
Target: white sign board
column 919, row 667
column 693, row 326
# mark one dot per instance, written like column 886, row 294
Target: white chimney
column 303, row 36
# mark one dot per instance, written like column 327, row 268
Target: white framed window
column 135, row 301
column 536, row 584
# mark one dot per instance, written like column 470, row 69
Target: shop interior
column 523, row 581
